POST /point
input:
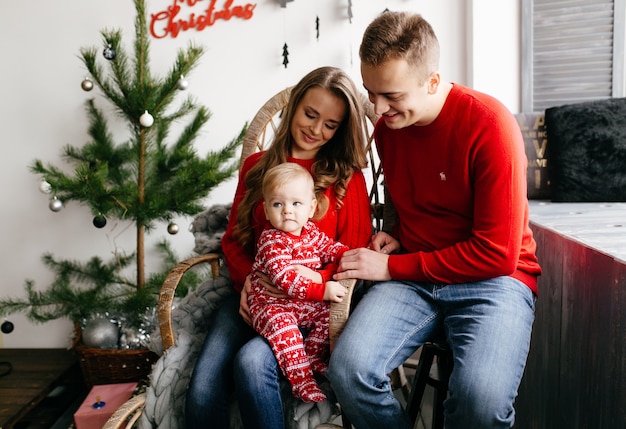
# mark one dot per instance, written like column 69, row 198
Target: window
column 572, row 51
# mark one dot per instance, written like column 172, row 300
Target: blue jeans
column 215, row 380
column 487, row 325
column 257, row 377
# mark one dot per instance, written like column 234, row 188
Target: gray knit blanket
column 165, row 395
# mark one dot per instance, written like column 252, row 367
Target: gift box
column 101, row 403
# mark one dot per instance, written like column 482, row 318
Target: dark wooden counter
column 575, row 377
column 35, row 373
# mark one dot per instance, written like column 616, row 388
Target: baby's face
column 289, row 207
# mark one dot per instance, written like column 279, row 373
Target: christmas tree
column 147, row 179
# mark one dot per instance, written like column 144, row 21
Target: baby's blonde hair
column 286, row 172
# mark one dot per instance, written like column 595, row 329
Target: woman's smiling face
column 316, row 119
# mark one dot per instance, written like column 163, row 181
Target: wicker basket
column 109, row 366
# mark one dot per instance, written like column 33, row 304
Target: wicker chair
column 258, row 136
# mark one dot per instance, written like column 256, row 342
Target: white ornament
column 182, row 83
column 55, row 204
column 45, row 187
column 146, row 119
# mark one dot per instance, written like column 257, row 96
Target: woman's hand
column 309, row 273
column 384, row 243
column 244, row 308
column 270, row 289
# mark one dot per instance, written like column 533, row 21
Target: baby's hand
column 335, row 291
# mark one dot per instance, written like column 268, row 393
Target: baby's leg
column 280, row 328
column 317, row 343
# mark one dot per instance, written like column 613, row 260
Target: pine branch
column 82, row 290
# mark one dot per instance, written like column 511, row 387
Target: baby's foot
column 309, row 391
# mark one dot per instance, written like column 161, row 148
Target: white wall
column 42, row 103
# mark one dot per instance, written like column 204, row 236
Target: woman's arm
column 238, row 260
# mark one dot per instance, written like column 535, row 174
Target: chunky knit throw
column 165, row 395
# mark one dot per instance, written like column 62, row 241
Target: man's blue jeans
column 233, row 361
column 487, row 325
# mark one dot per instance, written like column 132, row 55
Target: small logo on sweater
column 442, row 176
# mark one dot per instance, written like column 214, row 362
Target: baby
column 294, row 240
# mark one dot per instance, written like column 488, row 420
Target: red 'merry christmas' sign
column 171, row 22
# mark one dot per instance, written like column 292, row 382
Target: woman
column 322, row 130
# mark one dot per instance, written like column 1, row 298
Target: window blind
column 569, row 52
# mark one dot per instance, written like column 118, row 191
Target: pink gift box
column 101, row 403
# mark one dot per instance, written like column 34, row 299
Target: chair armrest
column 127, row 414
column 339, row 312
column 168, row 291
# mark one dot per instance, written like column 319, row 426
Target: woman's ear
column 265, row 211
column 313, row 207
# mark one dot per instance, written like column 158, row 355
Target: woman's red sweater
column 349, row 224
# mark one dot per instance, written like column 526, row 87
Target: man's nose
column 380, row 105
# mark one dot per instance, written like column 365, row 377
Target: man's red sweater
column 459, row 187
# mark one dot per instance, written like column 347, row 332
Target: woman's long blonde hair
column 335, row 161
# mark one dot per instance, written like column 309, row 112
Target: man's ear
column 434, row 79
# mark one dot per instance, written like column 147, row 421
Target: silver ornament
column 146, row 120
column 183, row 84
column 86, row 84
column 109, row 53
column 101, row 333
column 45, row 187
column 172, row 228
column 55, row 204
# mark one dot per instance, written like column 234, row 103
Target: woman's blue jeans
column 487, row 325
column 233, row 362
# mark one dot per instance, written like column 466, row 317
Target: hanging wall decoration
column 317, row 28
column 187, row 15
column 350, row 11
column 285, row 55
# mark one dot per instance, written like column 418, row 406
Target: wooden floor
column 40, row 386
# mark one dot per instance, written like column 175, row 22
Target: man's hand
column 364, row 264
column 334, row 291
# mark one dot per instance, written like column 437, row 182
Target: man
column 460, row 262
